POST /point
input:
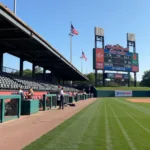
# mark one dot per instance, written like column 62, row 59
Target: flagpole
column 81, row 64
column 71, row 35
column 71, row 47
column 15, row 7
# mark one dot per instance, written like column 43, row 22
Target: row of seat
column 13, row 82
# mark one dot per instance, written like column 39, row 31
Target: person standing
column 61, row 105
column 21, row 93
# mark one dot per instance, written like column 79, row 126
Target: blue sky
column 51, row 19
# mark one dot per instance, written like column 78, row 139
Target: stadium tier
column 18, row 39
column 13, row 82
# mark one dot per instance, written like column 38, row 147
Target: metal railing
column 10, row 107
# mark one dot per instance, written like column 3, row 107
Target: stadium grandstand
column 18, row 39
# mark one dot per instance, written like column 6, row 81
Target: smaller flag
column 73, row 30
column 83, row 56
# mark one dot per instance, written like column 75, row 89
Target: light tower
column 99, row 37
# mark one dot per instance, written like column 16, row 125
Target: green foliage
column 91, row 81
column 124, row 88
column 27, row 72
column 38, row 69
column 111, row 82
column 91, row 78
column 146, row 79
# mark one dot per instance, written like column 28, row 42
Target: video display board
column 115, row 59
column 116, row 76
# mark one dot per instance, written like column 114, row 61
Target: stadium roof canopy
column 20, row 40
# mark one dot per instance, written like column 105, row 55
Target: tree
column 146, row 79
column 91, row 81
column 91, row 78
column 38, row 69
column 27, row 72
column 131, row 78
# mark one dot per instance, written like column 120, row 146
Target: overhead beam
column 22, row 50
column 46, row 59
column 9, row 29
column 8, row 44
column 50, row 65
column 15, row 39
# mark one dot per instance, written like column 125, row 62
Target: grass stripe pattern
column 107, row 124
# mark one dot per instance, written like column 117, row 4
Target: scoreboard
column 114, row 60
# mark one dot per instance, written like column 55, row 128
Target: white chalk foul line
column 127, row 138
column 143, row 127
column 108, row 137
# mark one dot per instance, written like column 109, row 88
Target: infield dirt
column 140, row 100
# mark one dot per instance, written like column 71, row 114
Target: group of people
column 28, row 95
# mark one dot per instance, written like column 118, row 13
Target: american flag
column 83, row 56
column 73, row 30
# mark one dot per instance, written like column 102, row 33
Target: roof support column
column 21, row 67
column 59, row 81
column 33, row 70
column 1, row 62
column 44, row 73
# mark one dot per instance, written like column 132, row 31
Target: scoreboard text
column 113, row 60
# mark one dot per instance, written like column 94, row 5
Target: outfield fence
column 121, row 93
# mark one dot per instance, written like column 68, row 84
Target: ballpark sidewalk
column 16, row 134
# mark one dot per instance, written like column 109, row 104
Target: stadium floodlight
column 99, row 31
column 131, row 37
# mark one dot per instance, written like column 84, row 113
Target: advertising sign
column 125, row 76
column 99, row 65
column 99, row 58
column 100, row 55
column 135, row 59
column 135, row 68
column 110, row 75
column 118, row 76
column 135, row 62
column 121, row 93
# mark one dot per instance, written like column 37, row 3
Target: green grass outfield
column 124, row 88
column 107, row 124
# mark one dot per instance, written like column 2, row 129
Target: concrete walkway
column 16, row 134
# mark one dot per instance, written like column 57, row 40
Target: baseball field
column 106, row 124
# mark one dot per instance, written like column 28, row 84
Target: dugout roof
column 19, row 39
